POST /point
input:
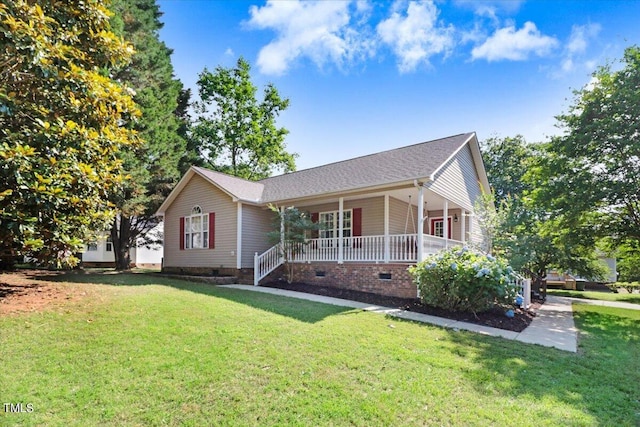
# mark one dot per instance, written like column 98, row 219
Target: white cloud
column 416, row 35
column 580, row 36
column 320, row 31
column 579, row 39
column 490, row 8
column 508, row 44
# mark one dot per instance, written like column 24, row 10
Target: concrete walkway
column 552, row 327
column 617, row 304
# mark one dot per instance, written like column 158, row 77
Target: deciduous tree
column 527, row 233
column 292, row 230
column 236, row 133
column 60, row 125
column 593, row 173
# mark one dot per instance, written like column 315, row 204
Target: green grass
column 602, row 296
column 143, row 350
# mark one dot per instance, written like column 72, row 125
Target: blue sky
column 365, row 76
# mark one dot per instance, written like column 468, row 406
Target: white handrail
column 265, row 263
column 525, row 289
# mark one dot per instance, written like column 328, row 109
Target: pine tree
column 152, row 168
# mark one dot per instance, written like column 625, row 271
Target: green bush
column 629, row 286
column 462, row 279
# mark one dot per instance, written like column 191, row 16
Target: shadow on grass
column 599, row 383
column 304, row 311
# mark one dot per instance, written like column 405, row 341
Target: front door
column 437, row 227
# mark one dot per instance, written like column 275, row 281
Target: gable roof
column 418, row 161
column 401, row 165
column 237, row 188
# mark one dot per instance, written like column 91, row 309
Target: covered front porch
column 402, row 248
column 401, row 225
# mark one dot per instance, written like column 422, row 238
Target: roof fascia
column 176, row 190
column 432, row 177
column 183, row 183
column 474, row 145
column 479, row 163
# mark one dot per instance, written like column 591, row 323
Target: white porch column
column 387, row 249
column 420, row 228
column 340, row 229
column 445, row 223
column 463, row 226
column 239, row 238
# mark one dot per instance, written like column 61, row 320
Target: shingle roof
column 237, row 187
column 400, row 165
column 393, row 166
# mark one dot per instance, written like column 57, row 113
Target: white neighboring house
column 100, row 252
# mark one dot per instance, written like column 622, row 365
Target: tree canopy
column 61, row 119
column 153, row 165
column 234, row 132
column 524, row 230
column 593, row 172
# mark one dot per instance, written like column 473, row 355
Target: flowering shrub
column 462, row 279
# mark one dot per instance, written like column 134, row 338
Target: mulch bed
column 492, row 318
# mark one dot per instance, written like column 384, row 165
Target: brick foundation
column 383, row 279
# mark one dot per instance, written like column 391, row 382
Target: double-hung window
column 196, row 229
column 329, row 224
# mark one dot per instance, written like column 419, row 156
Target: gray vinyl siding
column 401, row 218
column 210, row 199
column 256, row 223
column 456, row 227
column 372, row 213
column 458, row 180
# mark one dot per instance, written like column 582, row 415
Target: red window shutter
column 181, row 233
column 212, row 230
column 356, row 229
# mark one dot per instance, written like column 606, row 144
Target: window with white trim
column 329, row 224
column 438, row 228
column 92, row 246
column 196, row 229
column 108, row 245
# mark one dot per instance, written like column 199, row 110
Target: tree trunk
column 121, row 237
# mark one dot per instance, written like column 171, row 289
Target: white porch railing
column 399, row 248
column 265, row 263
column 525, row 290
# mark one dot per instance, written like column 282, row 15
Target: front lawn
column 602, row 296
column 144, row 350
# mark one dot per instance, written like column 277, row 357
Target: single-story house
column 379, row 214
column 99, row 253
